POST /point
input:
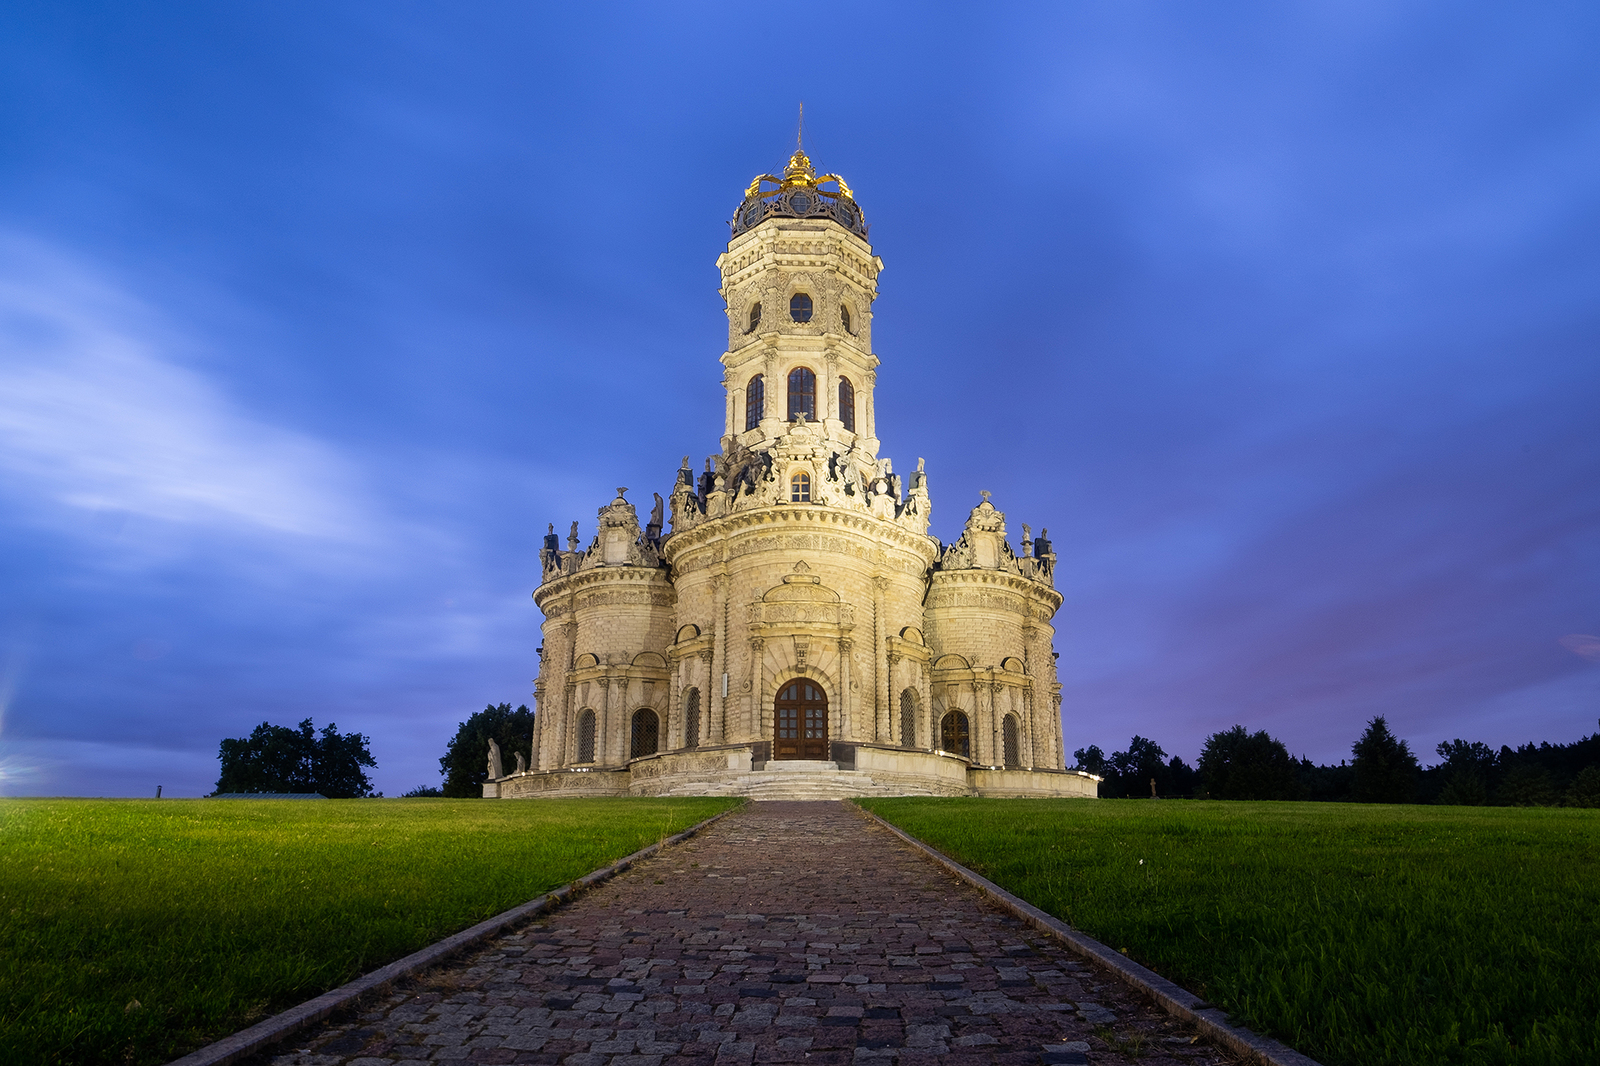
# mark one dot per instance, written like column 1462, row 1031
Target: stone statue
column 522, row 764
column 496, row 769
column 656, row 513
column 572, row 538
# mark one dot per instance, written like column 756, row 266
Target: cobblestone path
column 788, row 932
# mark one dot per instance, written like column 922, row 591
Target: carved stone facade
column 797, row 616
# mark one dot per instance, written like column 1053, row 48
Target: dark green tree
column 1585, row 790
column 1134, row 769
column 1326, row 784
column 465, row 762
column 1385, row 769
column 1240, row 765
column 1091, row 759
column 1465, row 774
column 1181, row 780
column 275, row 758
column 1527, row 785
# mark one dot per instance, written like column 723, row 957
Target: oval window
column 800, row 307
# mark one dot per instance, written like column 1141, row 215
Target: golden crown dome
column 799, row 194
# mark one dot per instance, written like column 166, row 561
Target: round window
column 800, row 307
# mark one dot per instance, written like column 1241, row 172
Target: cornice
column 800, row 518
column 997, row 578
column 571, row 584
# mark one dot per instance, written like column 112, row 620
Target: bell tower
column 798, row 281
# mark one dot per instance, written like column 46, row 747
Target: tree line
column 276, row 758
column 1238, row 764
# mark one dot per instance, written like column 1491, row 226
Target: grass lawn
column 133, row 931
column 1357, row 934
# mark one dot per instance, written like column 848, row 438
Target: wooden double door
column 800, row 721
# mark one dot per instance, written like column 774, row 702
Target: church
column 796, row 632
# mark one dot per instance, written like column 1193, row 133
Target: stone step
column 797, row 781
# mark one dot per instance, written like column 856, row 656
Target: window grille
column 586, row 736
column 646, row 733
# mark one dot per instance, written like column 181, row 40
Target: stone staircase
column 797, row 780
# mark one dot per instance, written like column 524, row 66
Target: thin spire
column 800, row 128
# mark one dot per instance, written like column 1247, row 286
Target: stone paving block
column 788, row 932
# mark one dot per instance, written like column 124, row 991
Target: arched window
column 691, row 718
column 908, row 718
column 847, row 405
column 800, row 488
column 755, row 317
column 586, row 736
column 802, row 393
column 646, row 733
column 1010, row 743
column 800, row 307
column 844, row 317
column 953, row 734
column 755, row 402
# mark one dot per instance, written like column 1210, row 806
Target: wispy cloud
column 97, row 414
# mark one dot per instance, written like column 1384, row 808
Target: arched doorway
column 953, row 734
column 800, row 721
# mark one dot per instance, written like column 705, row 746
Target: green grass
column 1357, row 934
column 133, row 931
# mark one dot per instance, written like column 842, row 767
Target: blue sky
column 1284, row 320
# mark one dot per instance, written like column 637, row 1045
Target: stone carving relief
column 619, row 541
column 983, row 546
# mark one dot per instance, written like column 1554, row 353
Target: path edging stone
column 285, row 1024
column 1173, row 998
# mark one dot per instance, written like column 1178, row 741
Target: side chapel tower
column 797, row 632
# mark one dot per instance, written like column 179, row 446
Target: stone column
column 893, row 736
column 929, row 719
column 829, row 408
column 708, row 702
column 540, row 716
column 846, row 726
column 568, row 746
column 603, row 725
column 870, row 414
column 718, row 664
column 759, row 723
column 879, row 680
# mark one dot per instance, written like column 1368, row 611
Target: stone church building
column 797, row 632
